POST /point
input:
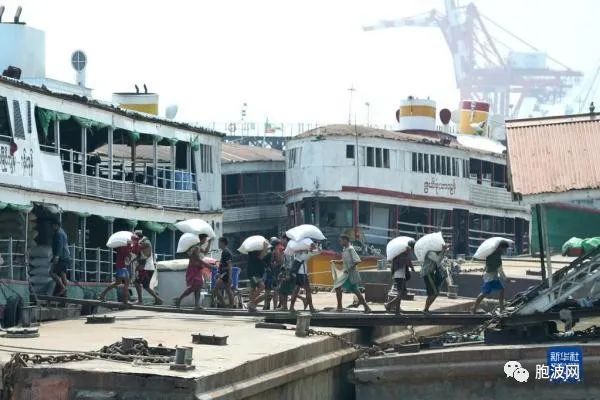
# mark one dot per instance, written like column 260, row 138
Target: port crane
column 486, row 67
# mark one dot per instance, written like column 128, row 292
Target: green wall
column 563, row 224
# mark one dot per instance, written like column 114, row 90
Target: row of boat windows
column 436, row 164
column 377, row 157
column 70, row 140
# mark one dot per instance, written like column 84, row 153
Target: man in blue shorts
column 492, row 281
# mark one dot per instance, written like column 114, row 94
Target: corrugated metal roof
column 233, row 153
column 554, row 155
column 230, row 153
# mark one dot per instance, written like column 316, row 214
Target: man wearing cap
column 61, row 257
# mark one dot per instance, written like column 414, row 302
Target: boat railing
column 476, row 237
column 417, row 230
column 125, row 182
column 13, row 259
column 253, row 199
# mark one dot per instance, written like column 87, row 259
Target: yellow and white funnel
column 416, row 114
column 473, row 117
column 143, row 102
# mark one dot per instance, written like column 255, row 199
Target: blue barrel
column 235, row 279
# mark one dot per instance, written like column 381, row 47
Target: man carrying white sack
column 492, row 278
column 351, row 277
column 432, row 274
column 401, row 264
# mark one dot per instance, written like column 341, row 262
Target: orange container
column 319, row 267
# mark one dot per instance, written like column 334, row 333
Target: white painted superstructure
column 377, row 183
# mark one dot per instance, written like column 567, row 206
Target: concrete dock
column 255, row 363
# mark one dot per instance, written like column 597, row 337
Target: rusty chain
column 366, row 351
column 139, row 352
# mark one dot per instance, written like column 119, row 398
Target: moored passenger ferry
column 375, row 184
column 66, row 155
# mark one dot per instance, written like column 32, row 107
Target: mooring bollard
column 302, row 324
column 183, row 355
column 183, row 359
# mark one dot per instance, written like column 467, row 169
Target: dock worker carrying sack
column 196, row 226
column 119, row 239
column 489, row 246
column 397, row 246
column 186, row 241
column 431, row 242
column 305, row 231
column 294, row 246
column 253, row 243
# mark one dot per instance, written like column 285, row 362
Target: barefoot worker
column 194, row 277
column 350, row 277
column 224, row 274
column 401, row 264
column 432, row 274
column 493, row 277
column 125, row 256
column 61, row 257
column 144, row 271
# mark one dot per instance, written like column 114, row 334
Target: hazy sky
column 290, row 61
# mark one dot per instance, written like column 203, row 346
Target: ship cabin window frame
column 386, row 158
column 293, row 156
column 6, row 134
column 206, row 159
column 378, row 157
column 370, row 161
column 437, row 164
column 350, row 152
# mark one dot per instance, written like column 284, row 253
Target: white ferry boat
column 375, row 184
column 65, row 154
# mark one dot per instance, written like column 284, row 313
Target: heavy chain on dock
column 139, row 352
column 366, row 351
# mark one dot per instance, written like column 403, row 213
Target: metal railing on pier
column 13, row 259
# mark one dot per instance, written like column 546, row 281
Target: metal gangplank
column 582, row 276
column 343, row 319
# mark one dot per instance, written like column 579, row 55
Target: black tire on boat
column 13, row 311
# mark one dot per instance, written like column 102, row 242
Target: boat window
column 378, row 158
column 278, row 181
column 438, row 165
column 349, row 151
column 5, row 132
column 465, row 168
column 420, row 161
column 206, row 159
column 364, row 212
column 448, row 168
column 294, row 157
column 414, row 162
column 426, row 163
column 443, row 165
column 386, row 158
column 370, row 156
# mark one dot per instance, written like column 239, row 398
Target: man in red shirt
column 125, row 255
